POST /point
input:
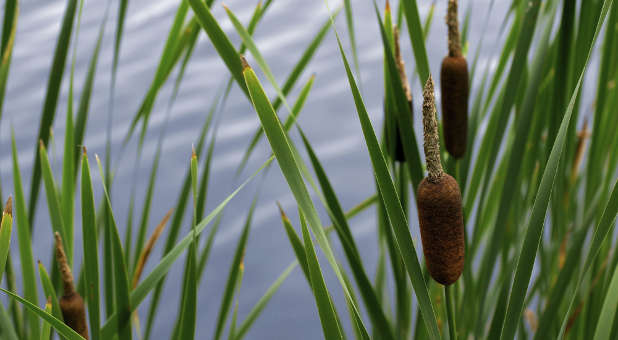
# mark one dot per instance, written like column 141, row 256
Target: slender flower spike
column 440, row 210
column 455, row 89
column 71, row 303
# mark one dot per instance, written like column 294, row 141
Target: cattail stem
column 454, row 40
column 401, row 66
column 65, row 270
column 430, row 131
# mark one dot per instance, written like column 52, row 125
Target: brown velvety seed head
column 441, row 223
column 74, row 313
column 455, row 90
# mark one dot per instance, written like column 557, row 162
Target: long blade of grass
column 150, row 282
column 55, row 213
column 51, row 99
column 287, row 87
column 220, row 41
column 9, row 27
column 534, row 230
column 415, row 31
column 91, row 256
column 25, row 245
column 50, row 292
column 46, row 332
column 332, row 330
column 121, row 278
column 608, row 311
column 289, row 165
column 250, row 45
column 349, row 20
column 62, row 329
column 84, row 101
column 255, row 312
column 394, row 210
column 233, row 276
column 169, row 57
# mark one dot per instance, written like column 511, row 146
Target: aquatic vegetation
column 516, row 212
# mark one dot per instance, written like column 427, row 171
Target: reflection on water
column 329, row 119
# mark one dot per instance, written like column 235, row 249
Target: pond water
column 329, row 120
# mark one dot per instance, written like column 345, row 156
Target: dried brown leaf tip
column 71, row 303
column 8, row 208
column 245, row 64
column 440, row 211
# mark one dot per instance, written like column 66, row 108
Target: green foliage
column 540, row 204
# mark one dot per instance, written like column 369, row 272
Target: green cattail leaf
column 50, row 292
column 221, row 42
column 287, row 87
column 608, row 311
column 332, row 330
column 250, row 45
column 175, row 43
column 415, row 31
column 160, row 270
column 233, row 276
column 51, row 99
column 90, row 246
column 53, row 203
column 46, row 331
column 188, row 312
column 290, row 165
column 9, row 27
column 25, row 245
column 84, row 101
column 255, row 312
column 121, row 278
column 534, row 230
column 62, row 329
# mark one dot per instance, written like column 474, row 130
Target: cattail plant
column 71, row 303
column 397, row 151
column 440, row 211
column 455, row 89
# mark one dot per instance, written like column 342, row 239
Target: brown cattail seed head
column 440, row 212
column 430, row 132
column 455, row 91
column 441, row 222
column 71, row 303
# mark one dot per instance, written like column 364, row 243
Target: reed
column 454, row 84
column 438, row 199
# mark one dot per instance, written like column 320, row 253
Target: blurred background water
column 329, row 120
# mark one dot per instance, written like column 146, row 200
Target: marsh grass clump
column 71, row 303
column 454, row 84
column 440, row 210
